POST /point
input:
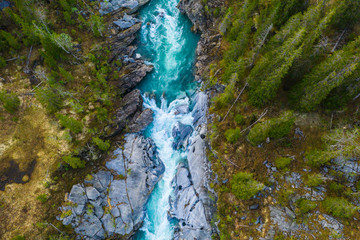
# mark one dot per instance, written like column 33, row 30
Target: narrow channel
column 167, row 42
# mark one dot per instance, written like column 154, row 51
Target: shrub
column 282, row 162
column 10, row 102
column 50, row 99
column 281, row 126
column 274, row 128
column 314, row 180
column 74, row 162
column 42, row 198
column 66, row 75
column 239, row 119
column 339, row 207
column 243, row 186
column 232, row 135
column 305, row 206
column 317, row 158
column 2, row 62
column 102, row 145
column 258, row 133
column 10, row 39
column 72, row 124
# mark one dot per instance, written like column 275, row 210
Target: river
column 167, row 42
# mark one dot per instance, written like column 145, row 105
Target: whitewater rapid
column 167, row 41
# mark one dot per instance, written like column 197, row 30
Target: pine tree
column 266, row 77
column 328, row 75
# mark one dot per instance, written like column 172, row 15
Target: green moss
column 304, row 206
column 314, row 180
column 243, row 186
column 102, row 145
column 74, row 162
column 282, row 163
column 239, row 119
column 232, row 135
column 339, row 207
column 42, row 198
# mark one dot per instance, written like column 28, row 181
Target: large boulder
column 112, row 202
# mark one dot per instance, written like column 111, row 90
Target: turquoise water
column 167, row 42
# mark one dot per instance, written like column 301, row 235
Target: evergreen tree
column 329, row 74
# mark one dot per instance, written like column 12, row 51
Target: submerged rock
column 112, row 203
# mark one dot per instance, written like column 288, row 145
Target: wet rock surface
column 112, row 202
column 191, row 203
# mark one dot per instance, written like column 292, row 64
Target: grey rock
column 188, row 208
column 109, row 224
column 279, row 217
column 77, row 195
column 331, row 223
column 181, row 134
column 254, row 207
column 200, row 109
column 126, row 22
column 126, row 196
column 92, row 193
column 91, row 228
column 142, row 121
column 117, row 164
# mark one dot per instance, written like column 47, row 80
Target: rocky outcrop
column 188, row 208
column 195, row 11
column 112, row 202
column 113, row 5
column 136, row 71
column 131, row 114
column 191, row 203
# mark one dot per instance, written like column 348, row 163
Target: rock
column 200, row 109
column 331, row 223
column 188, row 209
column 284, row 223
column 91, row 227
column 132, row 103
column 137, row 71
column 195, row 11
column 142, row 121
column 136, row 170
column 92, row 193
column 77, row 195
column 254, row 207
column 181, row 134
column 112, row 5
column 126, row 22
